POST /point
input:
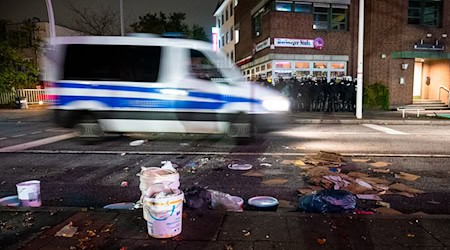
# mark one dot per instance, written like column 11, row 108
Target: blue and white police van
column 154, row 84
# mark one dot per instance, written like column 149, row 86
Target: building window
column 223, row 19
column 269, row 65
column 302, row 7
column 283, row 6
column 283, row 65
column 232, row 56
column 425, row 12
column 257, row 69
column 227, row 37
column 231, row 33
column 337, row 65
column 236, row 34
column 302, row 65
column 236, row 2
column 223, row 40
column 330, row 17
column 226, row 14
column 320, row 65
column 231, row 9
column 263, row 67
column 257, row 25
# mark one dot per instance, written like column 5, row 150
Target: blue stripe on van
column 213, row 96
column 123, row 102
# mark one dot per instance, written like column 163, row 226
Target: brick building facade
column 319, row 38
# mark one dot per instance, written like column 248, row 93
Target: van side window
column 203, row 68
column 112, row 63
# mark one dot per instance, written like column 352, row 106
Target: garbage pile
column 328, row 172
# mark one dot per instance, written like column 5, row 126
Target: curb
column 372, row 121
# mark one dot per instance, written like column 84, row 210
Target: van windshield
column 226, row 67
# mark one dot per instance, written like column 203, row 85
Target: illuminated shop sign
column 317, row 43
column 262, row 45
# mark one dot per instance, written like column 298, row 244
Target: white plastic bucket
column 164, row 215
column 29, row 193
column 151, row 176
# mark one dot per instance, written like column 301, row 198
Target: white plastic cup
column 29, row 193
column 151, row 176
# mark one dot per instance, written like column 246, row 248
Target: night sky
column 197, row 11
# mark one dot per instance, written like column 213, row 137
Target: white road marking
column 384, row 129
column 15, row 136
column 3, row 138
column 37, row 143
column 36, row 132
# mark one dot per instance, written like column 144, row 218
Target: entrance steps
column 425, row 107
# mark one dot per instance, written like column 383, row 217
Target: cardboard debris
column 387, row 211
column 380, row 170
column 287, row 162
column 360, row 160
column 384, row 204
column 355, row 189
column 404, row 188
column 299, row 163
column 338, row 181
column 276, row 181
column 67, row 231
column 380, row 164
column 372, row 197
column 329, row 156
column 363, row 184
column 305, row 191
column 319, row 171
column 253, row 173
column 434, row 202
column 408, row 195
column 407, row 176
column 357, row 174
column 284, row 204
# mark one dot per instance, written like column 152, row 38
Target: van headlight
column 276, row 104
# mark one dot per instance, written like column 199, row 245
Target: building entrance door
column 417, row 87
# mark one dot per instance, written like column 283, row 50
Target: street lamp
column 359, row 78
column 51, row 20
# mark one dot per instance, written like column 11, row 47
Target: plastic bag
column 197, row 198
column 328, row 201
column 220, row 200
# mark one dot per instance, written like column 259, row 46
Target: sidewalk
column 114, row 229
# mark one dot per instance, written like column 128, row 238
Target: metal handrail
column 448, row 92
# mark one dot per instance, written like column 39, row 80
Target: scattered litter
column 285, row 204
column 407, row 176
column 240, row 166
column 287, row 162
column 137, row 143
column 328, row 201
column 122, row 154
column 253, row 173
column 384, row 204
column 266, row 203
column 305, row 191
column 228, row 247
column 184, row 144
column 299, row 163
column 246, row 233
column 363, row 184
column 67, row 231
column 168, row 166
column 420, row 213
column 321, row 241
column 380, row 170
column 276, row 181
column 380, row 164
column 404, row 188
column 372, row 197
column 357, row 211
column 357, row 175
column 360, row 160
column 265, row 165
column 405, row 194
column 126, row 169
column 122, row 205
column 411, row 235
column 10, row 201
column 387, row 211
column 224, row 201
column 197, row 198
column 434, row 202
column 124, row 184
column 338, row 181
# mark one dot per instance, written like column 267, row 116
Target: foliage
column 174, row 22
column 15, row 71
column 103, row 21
column 376, row 96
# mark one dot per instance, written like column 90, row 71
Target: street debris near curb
column 328, row 171
column 137, row 143
column 67, row 231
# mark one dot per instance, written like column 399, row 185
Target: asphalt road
column 75, row 174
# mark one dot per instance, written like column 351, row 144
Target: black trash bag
column 328, row 201
column 197, row 198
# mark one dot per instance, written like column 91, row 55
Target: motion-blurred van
column 156, row 84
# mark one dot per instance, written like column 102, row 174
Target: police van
column 154, row 84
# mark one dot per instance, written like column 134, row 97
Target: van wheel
column 242, row 128
column 88, row 129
